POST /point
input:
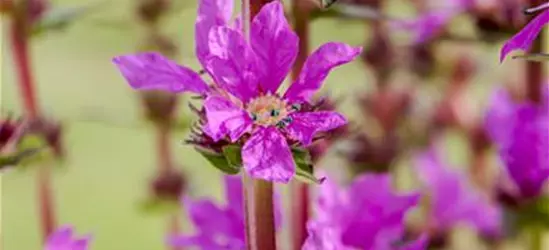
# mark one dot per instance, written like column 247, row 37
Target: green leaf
column 304, row 170
column 218, row 160
column 159, row 206
column 233, row 154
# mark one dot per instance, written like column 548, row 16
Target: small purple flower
column 520, row 133
column 63, row 239
column 219, row 228
column 524, row 39
column 366, row 215
column 454, row 200
column 428, row 25
column 250, row 112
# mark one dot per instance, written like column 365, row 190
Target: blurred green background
column 111, row 149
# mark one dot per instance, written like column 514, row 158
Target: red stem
column 23, row 66
column 534, row 70
column 22, row 60
column 300, row 191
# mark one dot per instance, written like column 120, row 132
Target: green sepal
column 156, row 206
column 233, row 155
column 304, row 167
column 218, row 160
column 32, row 149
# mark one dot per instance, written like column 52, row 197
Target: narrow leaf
column 535, row 57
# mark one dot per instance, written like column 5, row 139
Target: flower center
column 270, row 110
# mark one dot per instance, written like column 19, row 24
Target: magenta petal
column 225, row 118
column 151, row 70
column 233, row 64
column 317, row 67
column 80, row 244
column 60, row 237
column 523, row 40
column 305, row 125
column 275, row 45
column 266, row 155
column 211, row 13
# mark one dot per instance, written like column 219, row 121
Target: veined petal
column 275, row 45
column 317, row 67
column 304, row 126
column 233, row 64
column 211, row 13
column 151, row 70
column 225, row 118
column 266, row 155
column 523, row 40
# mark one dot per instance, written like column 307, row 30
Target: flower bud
column 387, row 106
column 150, row 11
column 8, row 131
column 169, row 185
column 369, row 155
column 159, row 106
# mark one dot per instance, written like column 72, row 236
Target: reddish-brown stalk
column 300, row 191
column 534, row 70
column 20, row 48
column 150, row 12
column 258, row 203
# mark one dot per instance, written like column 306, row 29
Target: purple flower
column 520, row 133
column 524, row 38
column 366, row 215
column 63, row 239
column 250, row 112
column 428, row 25
column 218, row 228
column 453, row 199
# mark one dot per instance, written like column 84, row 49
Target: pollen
column 269, row 110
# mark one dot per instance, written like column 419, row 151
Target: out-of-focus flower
column 520, row 133
column 50, row 131
column 453, row 198
column 524, row 39
column 159, row 106
column 366, row 215
column 169, row 185
column 250, row 111
column 368, row 154
column 427, row 26
column 151, row 10
column 218, row 228
column 380, row 54
column 64, row 239
column 8, row 131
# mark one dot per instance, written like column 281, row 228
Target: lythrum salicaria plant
column 350, row 218
column 243, row 107
column 244, row 121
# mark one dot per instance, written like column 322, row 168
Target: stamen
column 270, row 110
